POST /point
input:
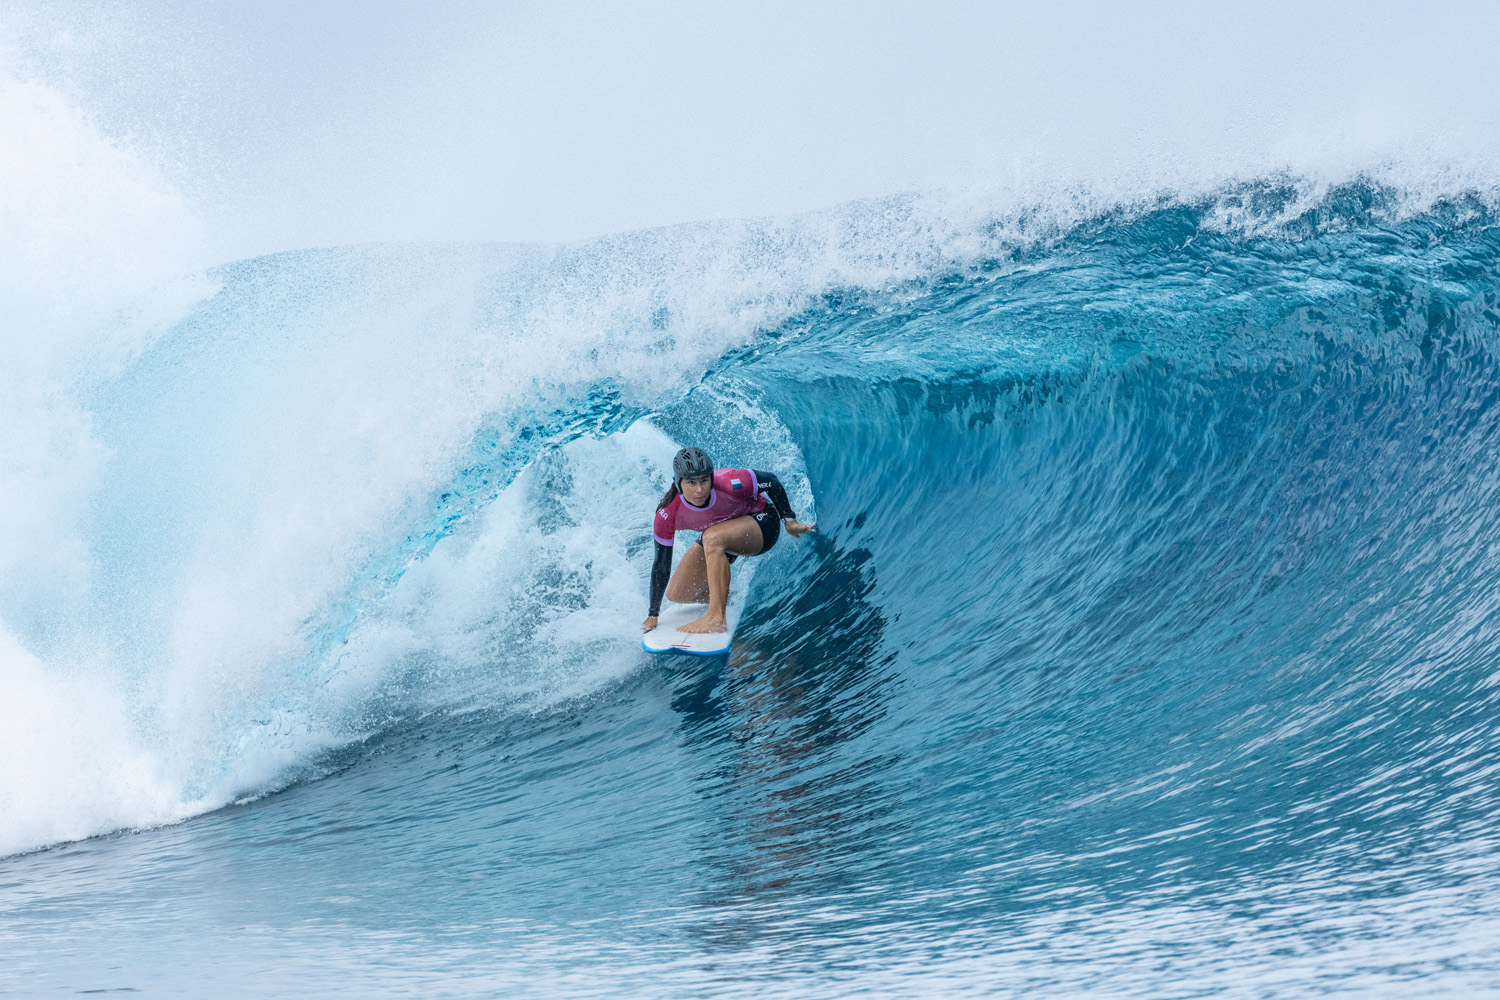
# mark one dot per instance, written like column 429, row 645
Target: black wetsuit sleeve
column 661, row 572
column 772, row 488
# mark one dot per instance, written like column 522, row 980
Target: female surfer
column 728, row 507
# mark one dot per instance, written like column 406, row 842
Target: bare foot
column 708, row 623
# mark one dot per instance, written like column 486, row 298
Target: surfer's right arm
column 663, row 534
column 661, row 572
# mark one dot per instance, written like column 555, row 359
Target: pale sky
column 295, row 124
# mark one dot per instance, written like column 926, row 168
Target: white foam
column 96, row 256
column 541, row 597
column 74, row 765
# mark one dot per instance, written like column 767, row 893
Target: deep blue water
column 1147, row 645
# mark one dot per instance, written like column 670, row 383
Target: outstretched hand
column 794, row 527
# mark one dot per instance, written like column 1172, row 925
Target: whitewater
column 1146, row 647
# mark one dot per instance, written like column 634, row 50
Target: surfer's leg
column 740, row 536
column 690, row 582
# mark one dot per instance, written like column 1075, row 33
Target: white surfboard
column 666, row 639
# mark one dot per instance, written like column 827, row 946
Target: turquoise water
column 1145, row 648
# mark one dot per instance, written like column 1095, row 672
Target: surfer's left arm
column 776, row 493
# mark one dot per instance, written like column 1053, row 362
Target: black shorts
column 770, row 530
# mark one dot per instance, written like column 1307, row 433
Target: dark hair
column 671, row 495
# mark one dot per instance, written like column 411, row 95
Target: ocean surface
column 1147, row 646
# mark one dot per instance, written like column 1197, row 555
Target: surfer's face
column 696, row 491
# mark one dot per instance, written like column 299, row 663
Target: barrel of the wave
column 739, row 513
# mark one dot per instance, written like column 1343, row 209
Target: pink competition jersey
column 735, row 493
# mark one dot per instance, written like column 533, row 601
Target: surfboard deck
column 666, row 639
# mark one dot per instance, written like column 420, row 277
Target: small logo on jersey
column 662, row 513
column 734, row 484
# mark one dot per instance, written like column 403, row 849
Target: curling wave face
column 1146, row 640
